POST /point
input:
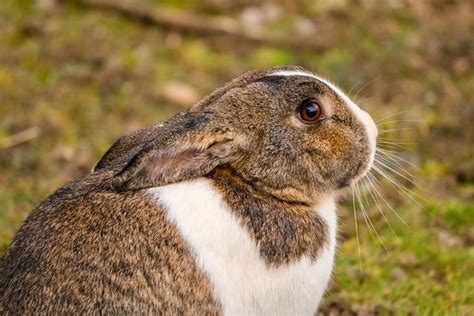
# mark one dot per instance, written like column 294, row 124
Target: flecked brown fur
column 101, row 245
column 89, row 250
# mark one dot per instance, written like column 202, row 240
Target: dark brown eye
column 310, row 111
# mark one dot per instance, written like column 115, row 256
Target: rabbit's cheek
column 354, row 145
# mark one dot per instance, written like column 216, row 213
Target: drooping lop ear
column 126, row 147
column 154, row 166
column 189, row 145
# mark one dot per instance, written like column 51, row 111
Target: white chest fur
column 242, row 281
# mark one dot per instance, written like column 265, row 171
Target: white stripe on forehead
column 354, row 107
column 342, row 95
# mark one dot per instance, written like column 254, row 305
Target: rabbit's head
column 285, row 130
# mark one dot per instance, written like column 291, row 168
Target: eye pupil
column 310, row 111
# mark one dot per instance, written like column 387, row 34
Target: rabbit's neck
column 262, row 256
column 285, row 231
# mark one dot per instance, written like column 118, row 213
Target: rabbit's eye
column 310, row 111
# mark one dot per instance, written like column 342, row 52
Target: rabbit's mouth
column 363, row 167
column 361, row 171
column 353, row 177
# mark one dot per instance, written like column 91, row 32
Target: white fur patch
column 242, row 281
column 363, row 116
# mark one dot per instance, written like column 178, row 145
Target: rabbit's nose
column 370, row 125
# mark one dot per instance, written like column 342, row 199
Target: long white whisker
column 391, row 154
column 394, row 164
column 391, row 141
column 381, row 119
column 397, row 121
column 384, row 131
column 353, row 87
column 356, row 228
column 392, row 146
column 392, row 169
column 362, row 87
column 397, row 169
column 400, row 187
column 368, row 214
column 390, row 165
column 390, row 206
column 377, row 202
column 367, row 219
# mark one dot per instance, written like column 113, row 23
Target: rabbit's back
column 87, row 249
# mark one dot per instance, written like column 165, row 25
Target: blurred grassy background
column 73, row 79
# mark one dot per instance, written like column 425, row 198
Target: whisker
column 388, row 204
column 367, row 219
column 356, row 228
column 399, row 121
column 377, row 202
column 353, row 87
column 362, row 87
column 391, row 141
column 398, row 186
column 392, row 155
column 384, row 131
column 368, row 216
column 392, row 146
column 397, row 165
column 392, row 169
column 381, row 119
column 361, row 100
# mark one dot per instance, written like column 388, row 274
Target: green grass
column 419, row 270
column 83, row 78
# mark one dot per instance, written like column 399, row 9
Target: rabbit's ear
column 126, row 147
column 153, row 166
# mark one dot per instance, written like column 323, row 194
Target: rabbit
column 226, row 208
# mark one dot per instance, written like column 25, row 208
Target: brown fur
column 89, row 250
column 101, row 245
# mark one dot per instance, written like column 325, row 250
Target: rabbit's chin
column 362, row 171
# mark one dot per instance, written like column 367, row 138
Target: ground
column 73, row 79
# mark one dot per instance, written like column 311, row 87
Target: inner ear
column 152, row 168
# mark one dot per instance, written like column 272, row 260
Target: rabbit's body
column 227, row 207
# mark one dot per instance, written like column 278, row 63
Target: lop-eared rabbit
column 226, row 208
